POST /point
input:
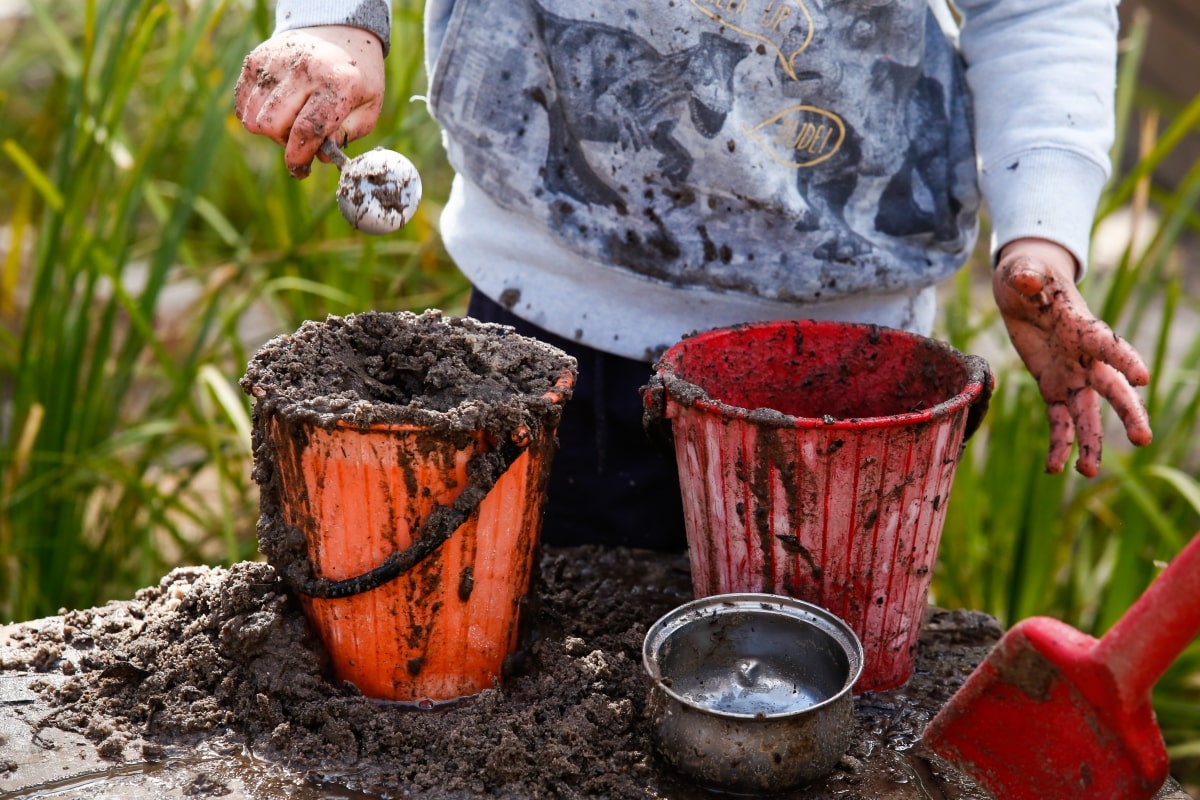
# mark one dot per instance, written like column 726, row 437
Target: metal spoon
column 378, row 191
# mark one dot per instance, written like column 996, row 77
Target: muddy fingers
column 1075, row 357
column 1062, row 436
column 1116, row 389
column 1106, row 347
column 1084, row 405
column 302, row 86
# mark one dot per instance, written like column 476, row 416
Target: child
column 631, row 171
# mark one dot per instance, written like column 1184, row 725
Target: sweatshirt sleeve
column 1042, row 75
column 372, row 15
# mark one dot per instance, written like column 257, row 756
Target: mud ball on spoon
column 379, row 191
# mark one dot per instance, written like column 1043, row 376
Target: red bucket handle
column 655, row 408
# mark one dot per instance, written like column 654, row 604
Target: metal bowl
column 752, row 692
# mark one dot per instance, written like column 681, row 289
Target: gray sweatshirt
column 628, row 172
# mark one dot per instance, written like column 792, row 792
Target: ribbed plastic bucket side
column 849, row 522
column 443, row 629
column 847, row 514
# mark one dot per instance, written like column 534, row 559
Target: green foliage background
column 148, row 245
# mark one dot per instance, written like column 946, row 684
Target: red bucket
column 815, row 460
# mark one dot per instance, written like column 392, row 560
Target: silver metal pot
column 752, row 692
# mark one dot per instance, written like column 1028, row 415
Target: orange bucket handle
column 483, row 470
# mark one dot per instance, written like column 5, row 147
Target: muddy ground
column 227, row 655
column 211, row 685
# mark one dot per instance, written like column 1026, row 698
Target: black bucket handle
column 484, row 470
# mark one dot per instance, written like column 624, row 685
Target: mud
column 227, row 653
column 441, row 372
column 214, row 674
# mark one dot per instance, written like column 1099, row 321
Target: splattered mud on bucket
column 403, row 462
column 451, row 377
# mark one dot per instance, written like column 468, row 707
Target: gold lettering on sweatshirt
column 801, row 136
column 785, row 26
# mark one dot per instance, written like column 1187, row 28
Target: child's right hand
column 304, row 86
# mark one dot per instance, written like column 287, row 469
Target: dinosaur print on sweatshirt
column 785, row 149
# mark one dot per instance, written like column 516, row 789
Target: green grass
column 145, row 230
column 145, row 233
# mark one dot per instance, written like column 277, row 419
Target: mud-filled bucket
column 402, row 462
column 815, row 461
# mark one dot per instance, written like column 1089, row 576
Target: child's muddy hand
column 301, row 87
column 1075, row 357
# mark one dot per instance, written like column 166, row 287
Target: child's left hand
column 1075, row 357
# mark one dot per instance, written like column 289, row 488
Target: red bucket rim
column 977, row 377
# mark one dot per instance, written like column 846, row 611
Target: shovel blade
column 1042, row 719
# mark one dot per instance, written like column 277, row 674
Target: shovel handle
column 334, row 154
column 1145, row 641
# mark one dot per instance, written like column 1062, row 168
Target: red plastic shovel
column 1054, row 713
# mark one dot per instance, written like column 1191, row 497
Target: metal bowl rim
column 755, row 602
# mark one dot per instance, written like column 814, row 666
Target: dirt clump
column 443, row 372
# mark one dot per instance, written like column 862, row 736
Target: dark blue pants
column 609, row 484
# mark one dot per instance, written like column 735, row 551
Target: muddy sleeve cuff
column 371, row 15
column 1043, row 77
column 1046, row 194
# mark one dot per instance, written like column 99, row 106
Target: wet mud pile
column 228, row 653
column 447, row 373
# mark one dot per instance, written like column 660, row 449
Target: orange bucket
column 408, row 530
